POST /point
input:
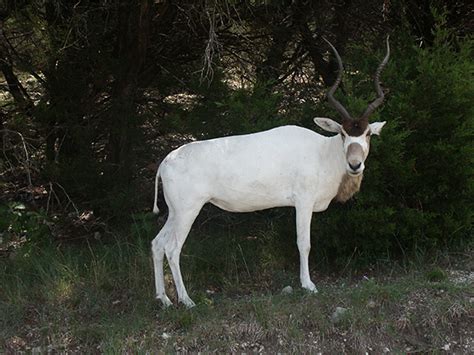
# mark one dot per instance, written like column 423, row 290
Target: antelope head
column 355, row 132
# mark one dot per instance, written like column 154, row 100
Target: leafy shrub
column 417, row 193
column 20, row 226
column 220, row 111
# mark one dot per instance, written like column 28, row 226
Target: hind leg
column 181, row 227
column 158, row 250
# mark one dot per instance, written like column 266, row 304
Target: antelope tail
column 156, row 210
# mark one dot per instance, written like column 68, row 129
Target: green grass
column 100, row 297
column 435, row 274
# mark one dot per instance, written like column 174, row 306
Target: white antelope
column 284, row 166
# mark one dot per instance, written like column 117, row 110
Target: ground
column 99, row 298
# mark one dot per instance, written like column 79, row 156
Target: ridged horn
column 330, row 95
column 379, row 100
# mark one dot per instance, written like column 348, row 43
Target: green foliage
column 20, row 226
column 417, row 192
column 220, row 111
column 436, row 274
column 143, row 226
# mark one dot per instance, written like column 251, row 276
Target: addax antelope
column 284, row 166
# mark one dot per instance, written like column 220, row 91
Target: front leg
column 303, row 227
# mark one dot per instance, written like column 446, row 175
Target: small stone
column 446, row 347
column 371, row 304
column 287, row 290
column 338, row 314
column 165, row 336
column 386, row 350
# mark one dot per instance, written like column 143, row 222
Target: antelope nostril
column 355, row 166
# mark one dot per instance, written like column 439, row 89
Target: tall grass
column 99, row 295
column 100, row 286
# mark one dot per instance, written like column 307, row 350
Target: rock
column 338, row 314
column 287, row 290
column 371, row 304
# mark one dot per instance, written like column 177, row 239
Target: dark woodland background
column 96, row 93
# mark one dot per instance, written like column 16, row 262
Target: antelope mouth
column 354, row 173
column 355, row 169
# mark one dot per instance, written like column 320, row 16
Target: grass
column 100, row 297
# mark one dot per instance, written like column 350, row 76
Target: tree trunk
column 14, row 86
column 134, row 30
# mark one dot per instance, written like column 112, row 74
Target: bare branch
column 26, row 163
column 213, row 48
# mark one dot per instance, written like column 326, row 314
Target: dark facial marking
column 355, row 128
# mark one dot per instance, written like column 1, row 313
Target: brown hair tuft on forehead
column 355, row 128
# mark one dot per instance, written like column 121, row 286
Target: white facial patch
column 361, row 140
column 356, row 150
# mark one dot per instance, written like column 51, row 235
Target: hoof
column 165, row 301
column 188, row 303
column 310, row 288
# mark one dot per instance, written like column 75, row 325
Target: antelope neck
column 348, row 186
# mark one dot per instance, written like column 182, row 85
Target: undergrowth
column 99, row 296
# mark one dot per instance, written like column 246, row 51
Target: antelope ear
column 376, row 127
column 327, row 124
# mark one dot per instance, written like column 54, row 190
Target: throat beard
column 348, row 187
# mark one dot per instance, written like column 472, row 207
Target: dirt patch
column 461, row 276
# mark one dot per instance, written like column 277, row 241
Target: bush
column 219, row 111
column 417, row 193
column 20, row 226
